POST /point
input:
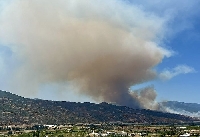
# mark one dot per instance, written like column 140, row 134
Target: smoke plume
column 101, row 47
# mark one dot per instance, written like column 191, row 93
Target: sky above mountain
column 129, row 52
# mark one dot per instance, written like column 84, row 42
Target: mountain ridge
column 16, row 110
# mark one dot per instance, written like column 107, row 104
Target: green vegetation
column 16, row 110
column 109, row 131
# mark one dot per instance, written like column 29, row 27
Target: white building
column 185, row 135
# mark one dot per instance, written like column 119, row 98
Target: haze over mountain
column 189, row 109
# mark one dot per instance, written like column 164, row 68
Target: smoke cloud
column 146, row 98
column 182, row 112
column 180, row 69
column 100, row 47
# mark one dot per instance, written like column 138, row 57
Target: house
column 93, row 134
column 185, row 135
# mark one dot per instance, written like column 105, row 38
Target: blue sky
column 184, row 39
column 177, row 29
column 186, row 44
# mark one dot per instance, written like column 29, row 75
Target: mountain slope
column 18, row 110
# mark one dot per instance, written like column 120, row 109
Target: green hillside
column 18, row 110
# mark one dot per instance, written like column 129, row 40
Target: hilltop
column 17, row 110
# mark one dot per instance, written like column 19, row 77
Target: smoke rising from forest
column 102, row 47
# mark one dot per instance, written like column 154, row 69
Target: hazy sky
column 52, row 49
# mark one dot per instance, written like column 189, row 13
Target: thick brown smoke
column 101, row 47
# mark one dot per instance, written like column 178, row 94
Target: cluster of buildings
column 99, row 130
